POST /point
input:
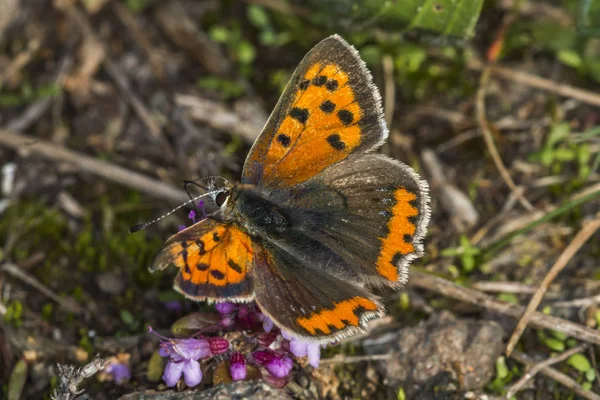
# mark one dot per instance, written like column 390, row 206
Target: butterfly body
column 318, row 218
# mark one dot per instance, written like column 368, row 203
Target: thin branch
column 584, row 302
column 503, row 287
column 65, row 302
column 89, row 164
column 81, row 20
column 489, row 140
column 524, row 78
column 518, row 385
column 475, row 297
column 343, row 359
column 579, row 240
column 559, row 377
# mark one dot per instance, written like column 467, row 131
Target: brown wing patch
column 320, row 129
column 343, row 314
column 401, row 230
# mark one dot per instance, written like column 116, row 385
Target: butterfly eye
column 221, row 198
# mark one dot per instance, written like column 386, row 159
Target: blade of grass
column 502, row 242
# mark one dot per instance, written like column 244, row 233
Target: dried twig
column 557, row 376
column 81, row 20
column 71, row 377
column 89, row 164
column 475, row 297
column 35, row 111
column 503, row 287
column 535, row 81
column 65, row 302
column 584, row 302
column 489, row 140
column 584, row 234
column 343, row 359
column 518, row 385
column 156, row 61
column 219, row 117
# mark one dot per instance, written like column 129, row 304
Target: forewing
column 308, row 302
column 214, row 261
column 329, row 110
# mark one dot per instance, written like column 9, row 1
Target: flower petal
column 298, row 347
column 280, row 367
column 225, row 308
column 237, row 368
column 314, row 354
column 192, row 374
column 172, row 373
column 192, row 349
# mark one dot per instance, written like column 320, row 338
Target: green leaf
column 579, row 362
column 501, row 368
column 17, row 380
column 155, row 367
column 219, row 34
column 449, row 17
column 245, row 52
column 456, row 18
column 137, row 6
column 558, row 133
column 554, row 344
column 590, row 374
column 570, row 58
column 258, row 16
column 401, row 394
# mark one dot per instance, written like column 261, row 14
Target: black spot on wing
column 407, row 238
column 299, row 114
column 201, row 249
column 202, row 267
column 336, row 142
column 327, row 106
column 217, row 274
column 304, row 84
column 319, row 80
column 283, row 139
column 216, row 237
column 331, row 85
column 396, row 259
column 346, row 117
column 235, row 266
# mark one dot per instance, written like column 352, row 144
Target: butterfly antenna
column 139, row 227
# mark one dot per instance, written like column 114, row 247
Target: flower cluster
column 265, row 348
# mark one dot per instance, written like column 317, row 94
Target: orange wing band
column 344, row 313
column 399, row 240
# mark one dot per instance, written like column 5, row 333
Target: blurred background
column 106, row 106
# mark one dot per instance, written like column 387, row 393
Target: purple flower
column 277, row 364
column 183, row 359
column 225, row 308
column 267, row 323
column 181, row 227
column 192, row 215
column 300, row 348
column 237, row 368
column 117, row 368
column 218, row 345
column 120, row 372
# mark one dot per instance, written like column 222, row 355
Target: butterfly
column 319, row 219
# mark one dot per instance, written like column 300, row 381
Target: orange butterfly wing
column 329, row 110
column 214, row 261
